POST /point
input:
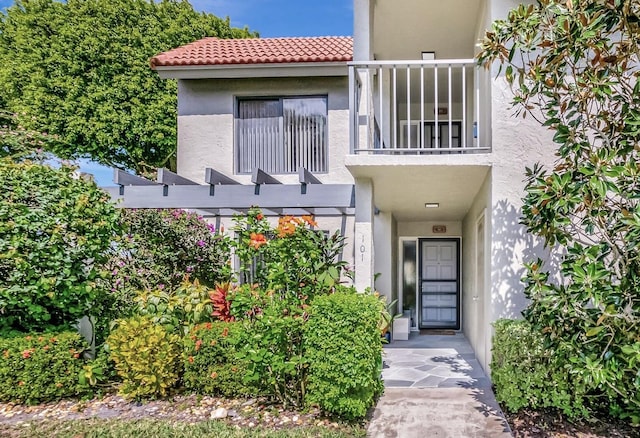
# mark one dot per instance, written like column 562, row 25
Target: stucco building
column 395, row 136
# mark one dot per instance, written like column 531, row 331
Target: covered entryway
column 431, row 253
column 439, row 280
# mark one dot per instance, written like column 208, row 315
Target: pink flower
column 201, row 243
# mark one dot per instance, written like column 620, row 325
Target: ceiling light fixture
column 432, row 205
column 428, row 56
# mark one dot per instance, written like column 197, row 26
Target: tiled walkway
column 432, row 361
column 435, row 387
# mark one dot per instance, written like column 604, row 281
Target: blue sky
column 272, row 18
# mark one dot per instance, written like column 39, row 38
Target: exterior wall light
column 432, row 205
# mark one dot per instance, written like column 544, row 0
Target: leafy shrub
column 55, row 230
column 98, row 374
column 293, row 259
column 527, row 375
column 41, row 367
column 179, row 309
column 146, row 357
column 274, row 353
column 212, row 363
column 161, row 247
column 584, row 206
column 344, row 353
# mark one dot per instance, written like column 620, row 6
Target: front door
column 439, row 279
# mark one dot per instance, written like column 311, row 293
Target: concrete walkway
column 435, row 387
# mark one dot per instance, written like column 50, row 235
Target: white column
column 363, row 30
column 363, row 239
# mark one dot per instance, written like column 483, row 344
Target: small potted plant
column 387, row 317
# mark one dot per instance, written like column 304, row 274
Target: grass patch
column 96, row 428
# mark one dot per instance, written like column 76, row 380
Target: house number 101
column 362, row 248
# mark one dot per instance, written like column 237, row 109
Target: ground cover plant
column 574, row 66
column 170, row 429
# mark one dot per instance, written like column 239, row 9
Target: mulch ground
column 540, row 424
column 259, row 412
column 256, row 412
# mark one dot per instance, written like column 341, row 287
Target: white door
column 439, row 285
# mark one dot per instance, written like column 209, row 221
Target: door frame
column 458, row 242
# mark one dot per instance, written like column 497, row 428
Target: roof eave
column 228, row 71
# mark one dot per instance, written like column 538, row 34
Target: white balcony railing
column 417, row 107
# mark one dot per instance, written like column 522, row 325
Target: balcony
column 429, row 107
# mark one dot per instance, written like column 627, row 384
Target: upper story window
column 280, row 135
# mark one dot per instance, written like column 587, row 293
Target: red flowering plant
column 282, row 264
column 39, row 368
column 212, row 364
column 293, row 260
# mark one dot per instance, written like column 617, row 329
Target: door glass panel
column 409, row 280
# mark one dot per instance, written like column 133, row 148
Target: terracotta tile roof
column 216, row 51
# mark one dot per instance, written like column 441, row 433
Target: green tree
column 574, row 64
column 17, row 142
column 80, row 69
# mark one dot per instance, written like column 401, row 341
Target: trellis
column 221, row 195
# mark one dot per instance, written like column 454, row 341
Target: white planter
column 401, row 329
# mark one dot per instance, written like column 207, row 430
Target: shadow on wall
column 512, row 247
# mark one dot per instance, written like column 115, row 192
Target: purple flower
column 161, row 286
column 189, row 268
column 211, row 227
column 201, row 243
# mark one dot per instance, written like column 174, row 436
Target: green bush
column 179, row 309
column 146, row 357
column 41, row 367
column 344, row 353
column 274, row 352
column 212, row 364
column 55, row 230
column 527, row 375
column 161, row 247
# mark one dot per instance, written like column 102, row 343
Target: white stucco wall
column 425, row 229
column 206, row 122
column 517, row 143
column 384, row 236
column 476, row 294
